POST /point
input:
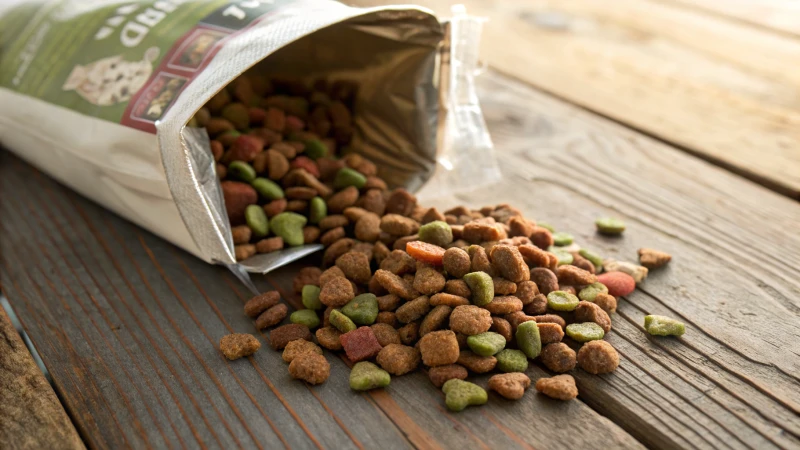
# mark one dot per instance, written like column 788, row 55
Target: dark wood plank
column 732, row 379
column 31, row 416
column 146, row 319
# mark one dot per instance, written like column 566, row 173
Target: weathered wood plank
column 147, row 319
column 732, row 380
column 719, row 89
column 31, row 417
column 777, row 15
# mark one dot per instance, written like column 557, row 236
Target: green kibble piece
column 310, row 295
column 267, row 188
column 289, row 226
column 593, row 257
column 366, row 375
column 307, row 317
column 663, row 326
column 609, row 225
column 362, row 310
column 341, row 322
column 590, row 292
column 318, row 210
column 348, row 177
column 257, row 220
column 564, row 257
column 528, row 339
column 316, row 149
column 510, row 360
column 562, row 301
column 436, row 233
column 459, row 394
column 237, row 114
column 546, row 225
column 585, row 332
column 240, row 170
column 481, row 286
column 562, row 239
column 486, row 344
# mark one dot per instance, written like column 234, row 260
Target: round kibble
column 272, row 316
column 589, row 293
column 440, row 374
column 558, row 357
column 585, row 332
column 562, row 301
column 470, row 320
column 436, row 233
column 564, row 257
column 328, row 337
column 511, row 360
column 609, row 225
column 598, row 357
column 310, row 367
column 477, row 363
column 562, row 239
column 385, row 334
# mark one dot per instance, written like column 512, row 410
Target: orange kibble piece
column 422, row 251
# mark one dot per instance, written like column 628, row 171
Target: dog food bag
column 102, row 95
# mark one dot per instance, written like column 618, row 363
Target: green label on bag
column 120, row 61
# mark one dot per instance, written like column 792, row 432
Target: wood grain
column 776, row 15
column 716, row 88
column 31, row 417
column 129, row 327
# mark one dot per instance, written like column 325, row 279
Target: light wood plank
column 719, row 89
column 778, row 15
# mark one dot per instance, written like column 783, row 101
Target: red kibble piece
column 422, row 251
column 360, row 344
column 304, row 162
column 618, row 283
column 245, row 148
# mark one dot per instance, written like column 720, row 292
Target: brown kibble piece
column 409, row 333
column 606, row 301
column 598, row 357
column 558, row 357
column 372, row 200
column 551, row 318
column 526, row 292
column 336, row 292
column 387, row 317
column 244, row 251
column 306, row 275
column 268, row 245
column 541, row 237
column 448, row 299
column 476, row 363
column 336, row 250
column 572, row 275
column 355, row 266
column 550, row 332
column 503, row 286
column 343, row 199
column 237, row 345
column 399, row 263
column 261, row 303
column 298, row 206
column 331, row 236
column 428, row 281
column 397, row 225
column 470, row 320
column 300, row 193
column 480, row 260
column 241, row 234
column 519, row 226
column 298, row 347
column 272, row 316
column 510, row 385
column 401, row 244
column 590, row 312
column 432, row 215
column 435, row 320
column 534, row 256
column 329, row 274
column 401, row 202
column 388, row 302
column 440, row 374
column 653, row 259
column 413, row 310
column 479, row 231
column 368, row 228
column 310, row 235
column 545, row 280
column 439, row 348
column 385, row 334
column 334, row 221
column 310, row 367
column 456, row 262
column 354, row 213
column 503, row 327
column 398, row 359
column 279, row 337
column 328, row 337
column 538, row 306
column 583, row 263
column 395, row 285
column 277, row 165
column 504, row 305
column 457, row 287
column 275, row 207
column 507, row 261
column 559, row 387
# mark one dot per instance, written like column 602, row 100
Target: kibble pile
column 402, row 286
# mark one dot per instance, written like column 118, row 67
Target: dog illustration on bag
column 112, row 80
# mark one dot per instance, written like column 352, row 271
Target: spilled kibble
column 365, row 376
column 559, row 387
column 235, row 346
column 663, row 326
column 459, row 394
column 510, row 385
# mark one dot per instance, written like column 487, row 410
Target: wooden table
column 682, row 117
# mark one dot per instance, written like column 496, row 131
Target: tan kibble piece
column 572, row 275
column 550, row 332
column 583, row 263
column 329, row 274
column 337, row 249
column 306, row 275
column 551, row 318
column 428, row 281
column 272, row 316
column 439, row 348
column 519, row 226
column 355, row 266
column 470, row 320
column 457, row 287
column 241, row 234
column 399, row 263
column 387, row 317
column 334, row 221
column 534, row 256
column 476, row 363
column 480, row 260
column 510, row 385
column 432, row 215
column 526, row 291
column 354, row 213
column 368, row 228
column 386, row 334
column 409, row 333
column 343, row 199
column 388, row 302
column 591, row 312
column 331, row 236
column 440, row 374
column 413, row 310
column 503, row 327
column 310, row 367
column 372, row 200
column 559, row 387
column 507, row 261
column 244, row 251
column 476, row 232
column 503, row 286
column 558, row 357
column 401, row 202
column 310, row 236
column 299, row 347
column 336, row 292
column 541, row 237
column 261, row 302
column 448, row 299
column 400, row 244
column 606, row 301
column 653, row 259
column 536, row 307
column 398, row 359
column 395, row 285
column 269, row 245
column 328, row 337
column 235, row 346
column 598, row 357
column 435, row 320
column 504, row 305
column 456, row 262
column 397, row 225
